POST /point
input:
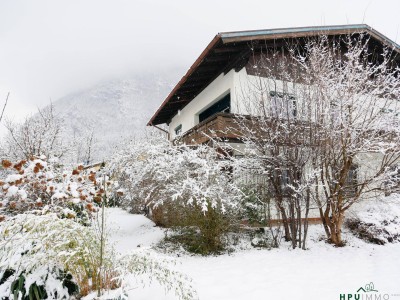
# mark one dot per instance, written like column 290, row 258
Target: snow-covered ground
column 322, row 272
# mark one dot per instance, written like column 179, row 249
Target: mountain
column 113, row 111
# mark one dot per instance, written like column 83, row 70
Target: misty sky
column 51, row 48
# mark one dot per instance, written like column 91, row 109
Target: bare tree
column 40, row 134
column 4, row 107
column 275, row 142
column 84, row 146
column 354, row 99
column 322, row 121
column 89, row 147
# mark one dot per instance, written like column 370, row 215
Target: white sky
column 51, row 48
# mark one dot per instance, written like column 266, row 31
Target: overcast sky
column 51, row 48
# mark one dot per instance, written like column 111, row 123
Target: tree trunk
column 335, row 228
column 285, row 223
column 305, row 224
column 293, row 223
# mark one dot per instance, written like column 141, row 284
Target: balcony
column 220, row 125
column 228, row 126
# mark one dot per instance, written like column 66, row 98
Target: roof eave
column 235, row 36
column 214, row 41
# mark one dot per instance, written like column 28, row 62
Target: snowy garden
column 310, row 209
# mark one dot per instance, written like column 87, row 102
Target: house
column 201, row 105
column 206, row 101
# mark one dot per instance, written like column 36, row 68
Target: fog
column 51, row 48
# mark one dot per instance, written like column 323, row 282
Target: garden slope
column 322, row 272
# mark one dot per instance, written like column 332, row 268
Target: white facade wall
column 189, row 115
column 249, row 89
column 246, row 91
column 238, row 84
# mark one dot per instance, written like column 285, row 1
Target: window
column 289, row 177
column 283, row 105
column 223, row 105
column 334, row 112
column 352, row 176
column 178, row 129
column 389, row 111
column 285, row 180
column 350, row 188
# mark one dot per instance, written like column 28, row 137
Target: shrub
column 373, row 233
column 52, row 253
column 41, row 186
column 46, row 246
column 187, row 189
column 49, row 284
column 198, row 231
column 367, row 232
column 377, row 221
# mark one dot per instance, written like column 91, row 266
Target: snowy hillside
column 114, row 110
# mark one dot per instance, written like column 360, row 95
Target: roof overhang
column 229, row 50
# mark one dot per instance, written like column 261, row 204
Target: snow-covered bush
column 377, row 221
column 147, row 266
column 42, row 284
column 36, row 245
column 155, row 173
column 42, row 185
column 41, row 248
column 131, row 169
column 180, row 186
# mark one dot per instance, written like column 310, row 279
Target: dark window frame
column 222, row 105
column 178, row 129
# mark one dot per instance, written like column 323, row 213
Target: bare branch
column 4, row 107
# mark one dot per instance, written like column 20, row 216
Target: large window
column 283, row 105
column 223, row 105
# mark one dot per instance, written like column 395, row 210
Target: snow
column 322, row 271
column 309, row 274
column 130, row 231
column 23, row 194
column 75, row 200
column 12, row 191
column 381, row 214
column 13, row 178
column 59, row 195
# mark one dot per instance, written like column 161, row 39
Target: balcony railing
column 220, row 125
column 230, row 126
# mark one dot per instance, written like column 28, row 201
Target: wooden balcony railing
column 228, row 126
column 220, row 125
